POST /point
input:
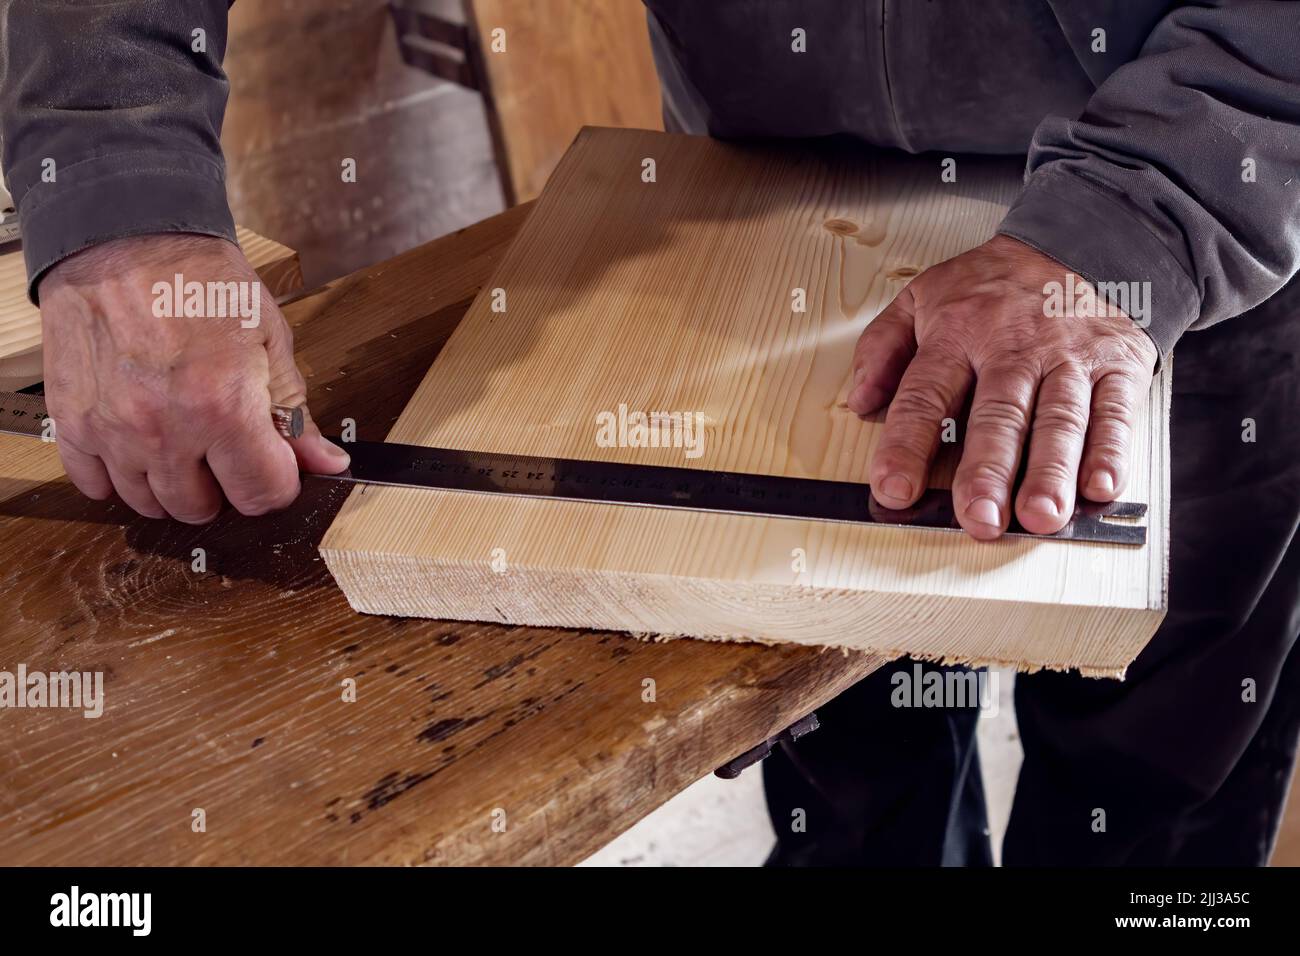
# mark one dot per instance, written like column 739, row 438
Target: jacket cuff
column 1097, row 235
column 112, row 197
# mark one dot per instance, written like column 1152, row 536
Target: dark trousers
column 1188, row 758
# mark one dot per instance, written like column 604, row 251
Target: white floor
column 719, row 822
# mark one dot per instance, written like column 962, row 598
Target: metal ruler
column 653, row 486
column 10, row 237
column 693, row 489
column 23, row 413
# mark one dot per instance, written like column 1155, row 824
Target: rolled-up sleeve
column 110, row 114
column 1183, row 171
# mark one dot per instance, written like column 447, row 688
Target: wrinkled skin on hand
column 1063, row 391
column 171, row 413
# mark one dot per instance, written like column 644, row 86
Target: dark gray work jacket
column 1163, row 138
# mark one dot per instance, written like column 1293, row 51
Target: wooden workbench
column 224, row 688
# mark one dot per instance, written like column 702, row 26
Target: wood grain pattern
column 276, row 265
column 677, row 295
column 20, row 321
column 565, row 65
column 224, row 687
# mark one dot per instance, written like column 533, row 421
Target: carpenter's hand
column 1069, row 387
column 171, row 412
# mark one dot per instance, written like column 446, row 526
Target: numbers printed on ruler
column 25, row 415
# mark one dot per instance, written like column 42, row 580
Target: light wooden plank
column 20, row 321
column 26, row 464
column 676, row 295
column 275, row 264
column 558, row 71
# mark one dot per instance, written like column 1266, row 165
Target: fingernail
column 335, row 452
column 868, row 398
column 984, row 511
column 896, row 486
column 1101, row 484
column 1043, row 505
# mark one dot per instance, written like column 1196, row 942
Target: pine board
column 676, row 295
column 592, row 65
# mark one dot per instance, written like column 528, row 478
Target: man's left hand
column 1069, row 388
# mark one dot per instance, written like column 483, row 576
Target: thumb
column 315, row 453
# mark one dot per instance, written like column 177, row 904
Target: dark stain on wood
column 389, row 788
column 497, row 671
column 442, row 729
column 566, row 692
column 500, row 670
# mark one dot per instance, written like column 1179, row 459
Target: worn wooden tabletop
column 225, row 687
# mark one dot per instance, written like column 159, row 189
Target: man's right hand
column 171, row 412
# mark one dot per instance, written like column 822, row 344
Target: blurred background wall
column 313, row 82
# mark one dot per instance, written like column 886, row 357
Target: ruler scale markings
column 652, row 486
column 655, row 486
